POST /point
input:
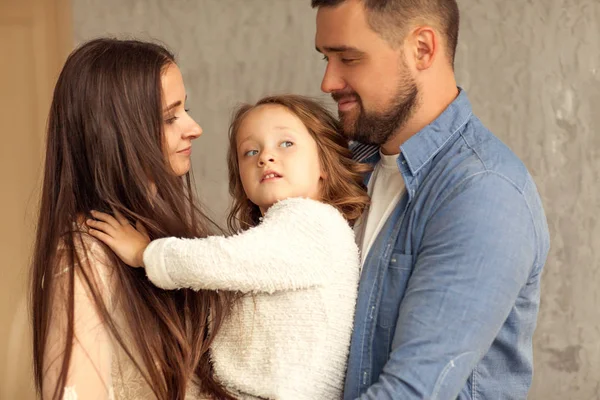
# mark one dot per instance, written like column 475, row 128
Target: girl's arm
column 293, row 248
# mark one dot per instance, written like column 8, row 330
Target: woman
column 119, row 139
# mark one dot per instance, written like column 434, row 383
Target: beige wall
column 532, row 70
column 35, row 38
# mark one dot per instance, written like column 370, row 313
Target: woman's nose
column 193, row 131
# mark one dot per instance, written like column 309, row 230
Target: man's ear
column 424, row 45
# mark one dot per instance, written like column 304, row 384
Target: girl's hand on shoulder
column 116, row 232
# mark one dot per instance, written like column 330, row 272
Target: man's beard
column 378, row 127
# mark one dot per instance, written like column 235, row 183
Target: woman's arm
column 89, row 374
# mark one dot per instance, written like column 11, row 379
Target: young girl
column 296, row 192
column 119, row 137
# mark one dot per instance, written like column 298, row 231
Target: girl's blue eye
column 251, row 153
column 287, row 143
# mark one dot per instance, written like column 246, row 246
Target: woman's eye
column 251, row 153
column 287, row 143
column 170, row 121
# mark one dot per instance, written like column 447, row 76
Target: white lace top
column 99, row 368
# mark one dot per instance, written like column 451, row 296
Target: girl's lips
column 270, row 176
column 186, row 152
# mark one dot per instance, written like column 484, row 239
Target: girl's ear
column 323, row 174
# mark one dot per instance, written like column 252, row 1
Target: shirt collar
column 420, row 148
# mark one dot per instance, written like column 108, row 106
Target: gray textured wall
column 229, row 51
column 532, row 70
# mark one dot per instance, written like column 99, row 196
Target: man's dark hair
column 391, row 18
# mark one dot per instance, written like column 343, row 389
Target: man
column 455, row 238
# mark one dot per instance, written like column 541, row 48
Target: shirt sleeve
column 89, row 375
column 290, row 249
column 478, row 251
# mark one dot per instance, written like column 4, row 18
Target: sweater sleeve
column 290, row 249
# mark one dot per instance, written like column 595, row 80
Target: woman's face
column 179, row 128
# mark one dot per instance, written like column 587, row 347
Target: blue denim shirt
column 450, row 290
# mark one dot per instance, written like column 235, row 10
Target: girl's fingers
column 141, row 228
column 101, row 226
column 102, row 237
column 122, row 220
column 107, row 218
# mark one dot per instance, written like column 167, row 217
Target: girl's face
column 277, row 156
column 179, row 128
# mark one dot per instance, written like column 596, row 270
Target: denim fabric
column 450, row 290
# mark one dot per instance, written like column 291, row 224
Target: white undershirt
column 385, row 188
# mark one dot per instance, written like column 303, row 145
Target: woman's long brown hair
column 104, row 150
column 343, row 185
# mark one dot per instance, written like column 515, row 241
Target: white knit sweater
column 289, row 336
